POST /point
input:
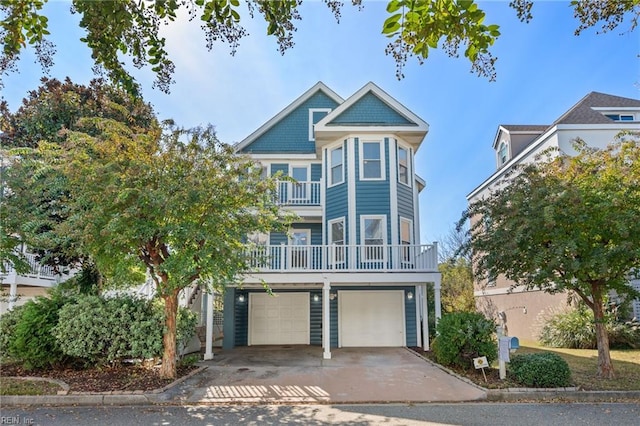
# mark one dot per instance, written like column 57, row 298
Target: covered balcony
column 298, row 193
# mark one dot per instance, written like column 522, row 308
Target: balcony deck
column 298, row 193
column 342, row 258
column 38, row 275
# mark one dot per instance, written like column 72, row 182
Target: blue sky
column 543, row 69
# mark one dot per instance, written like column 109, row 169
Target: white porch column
column 326, row 320
column 436, row 283
column 13, row 294
column 417, row 291
column 425, row 318
column 208, row 353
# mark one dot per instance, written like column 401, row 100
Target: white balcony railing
column 360, row 258
column 36, row 270
column 298, row 193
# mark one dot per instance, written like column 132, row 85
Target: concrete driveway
column 298, row 374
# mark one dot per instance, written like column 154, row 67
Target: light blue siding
column 316, row 172
column 370, row 110
column 291, row 134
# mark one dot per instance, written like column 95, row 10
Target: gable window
column 406, row 239
column 336, row 166
column 315, row 115
column 336, row 240
column 371, row 160
column 373, row 233
column 503, row 154
column 403, row 166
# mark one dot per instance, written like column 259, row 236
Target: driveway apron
column 298, row 374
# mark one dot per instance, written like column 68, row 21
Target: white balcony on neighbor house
column 342, row 258
column 38, row 275
column 298, row 193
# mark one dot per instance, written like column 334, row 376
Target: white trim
column 351, row 193
column 311, row 123
column 290, row 156
column 614, row 109
column 393, row 191
column 419, row 124
column 323, row 194
column 330, row 150
column 319, row 86
column 383, row 175
column 383, row 219
column 297, row 278
column 400, row 146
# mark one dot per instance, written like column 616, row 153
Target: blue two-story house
column 351, row 272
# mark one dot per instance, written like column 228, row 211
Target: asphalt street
column 619, row 414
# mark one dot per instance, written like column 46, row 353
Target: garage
column 281, row 319
column 371, row 318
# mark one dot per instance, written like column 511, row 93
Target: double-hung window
column 406, row 228
column 373, row 232
column 371, row 160
column 403, row 165
column 503, row 154
column 336, row 241
column 336, row 165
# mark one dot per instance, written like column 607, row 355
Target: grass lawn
column 11, row 386
column 584, row 365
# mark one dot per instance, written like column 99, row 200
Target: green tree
column 36, row 206
column 177, row 206
column 457, row 286
column 118, row 28
column 567, row 224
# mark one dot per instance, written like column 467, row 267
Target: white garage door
column 371, row 318
column 282, row 319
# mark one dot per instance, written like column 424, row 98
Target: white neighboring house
column 17, row 289
column 596, row 119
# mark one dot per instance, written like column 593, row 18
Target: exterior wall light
column 241, row 298
column 410, row 295
column 333, row 296
column 316, row 298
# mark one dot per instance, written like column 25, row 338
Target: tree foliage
column 567, row 224
column 457, row 286
column 177, row 206
column 36, row 204
column 119, row 28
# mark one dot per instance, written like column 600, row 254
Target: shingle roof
column 583, row 112
column 533, row 128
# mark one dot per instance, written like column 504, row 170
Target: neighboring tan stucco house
column 596, row 119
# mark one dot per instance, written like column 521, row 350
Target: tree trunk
column 605, row 368
column 168, row 369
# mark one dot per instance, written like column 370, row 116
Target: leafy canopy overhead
column 119, row 28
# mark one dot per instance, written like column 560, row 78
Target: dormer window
column 503, row 153
column 315, row 115
column 621, row 117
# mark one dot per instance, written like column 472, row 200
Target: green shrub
column 540, row 370
column 32, row 343
column 463, row 336
column 575, row 329
column 108, row 330
column 8, row 322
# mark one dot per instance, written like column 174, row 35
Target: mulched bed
column 123, row 377
column 493, row 380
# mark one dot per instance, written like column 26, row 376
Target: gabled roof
column 528, row 129
column 319, row 86
column 585, row 111
column 342, row 120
